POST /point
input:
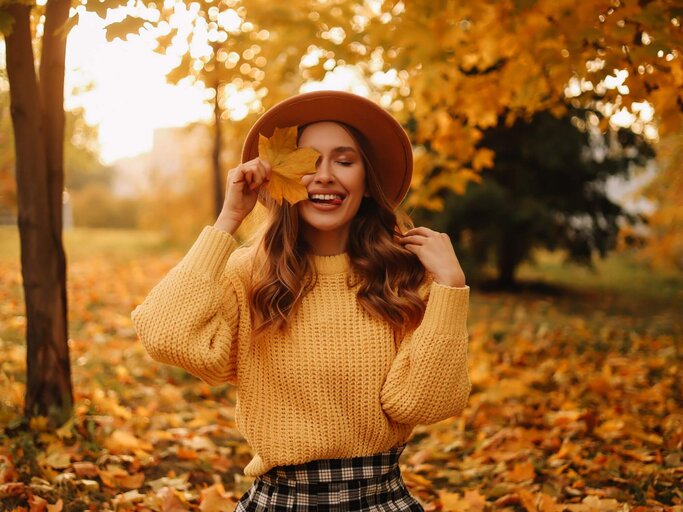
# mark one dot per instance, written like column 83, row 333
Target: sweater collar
column 335, row 264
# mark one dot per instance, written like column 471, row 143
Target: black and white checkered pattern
column 364, row 483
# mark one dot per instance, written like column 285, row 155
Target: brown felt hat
column 390, row 151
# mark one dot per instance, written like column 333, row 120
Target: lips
column 335, row 201
column 326, row 206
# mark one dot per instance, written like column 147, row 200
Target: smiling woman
column 340, row 333
column 336, row 189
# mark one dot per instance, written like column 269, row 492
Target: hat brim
column 390, row 151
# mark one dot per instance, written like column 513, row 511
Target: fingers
column 414, row 239
column 421, row 230
column 425, row 232
column 254, row 172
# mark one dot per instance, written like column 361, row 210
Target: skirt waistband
column 335, row 470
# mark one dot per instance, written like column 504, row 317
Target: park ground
column 577, row 398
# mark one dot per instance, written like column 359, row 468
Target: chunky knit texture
column 339, row 385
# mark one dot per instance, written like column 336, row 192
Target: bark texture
column 38, row 120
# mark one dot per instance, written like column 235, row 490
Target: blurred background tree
column 244, row 54
column 462, row 69
column 87, row 180
column 8, row 187
column 452, row 72
column 546, row 188
column 663, row 249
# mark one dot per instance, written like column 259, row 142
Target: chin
column 324, row 226
column 323, row 220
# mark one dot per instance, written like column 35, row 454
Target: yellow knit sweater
column 337, row 385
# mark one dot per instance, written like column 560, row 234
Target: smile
column 326, row 202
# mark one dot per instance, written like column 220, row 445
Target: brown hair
column 387, row 275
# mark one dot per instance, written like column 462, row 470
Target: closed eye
column 345, row 163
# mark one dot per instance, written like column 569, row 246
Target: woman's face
column 339, row 170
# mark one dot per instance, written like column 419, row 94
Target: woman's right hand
column 242, row 188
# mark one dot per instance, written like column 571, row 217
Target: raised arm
column 428, row 380
column 191, row 318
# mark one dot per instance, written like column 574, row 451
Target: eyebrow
column 343, row 149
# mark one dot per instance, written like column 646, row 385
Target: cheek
column 360, row 182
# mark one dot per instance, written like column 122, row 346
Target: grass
column 619, row 273
column 618, row 284
column 84, row 243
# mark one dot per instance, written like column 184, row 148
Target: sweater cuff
column 210, row 252
column 447, row 309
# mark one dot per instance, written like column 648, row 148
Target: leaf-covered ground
column 577, row 399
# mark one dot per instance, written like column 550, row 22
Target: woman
column 341, row 332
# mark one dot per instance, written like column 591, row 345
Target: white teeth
column 325, row 196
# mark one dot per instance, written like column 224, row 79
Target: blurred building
column 174, row 151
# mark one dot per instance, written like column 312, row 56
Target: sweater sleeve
column 190, row 319
column 428, row 381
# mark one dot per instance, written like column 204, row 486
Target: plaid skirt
column 363, row 483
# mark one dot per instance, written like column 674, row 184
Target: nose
column 323, row 172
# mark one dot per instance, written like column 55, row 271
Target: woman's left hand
column 436, row 253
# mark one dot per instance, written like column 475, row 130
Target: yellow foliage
column 288, row 164
column 664, row 247
column 468, row 63
column 483, row 158
column 39, row 423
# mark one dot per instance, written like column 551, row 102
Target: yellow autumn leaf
column 288, row 164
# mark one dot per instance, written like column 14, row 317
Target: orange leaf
column 547, row 503
column 172, row 500
column 288, row 164
column 472, row 501
column 85, row 469
column 37, row 503
column 452, row 502
column 116, row 476
column 522, row 471
column 215, row 499
column 527, row 499
column 417, row 479
column 475, row 500
column 122, row 441
column 186, row 453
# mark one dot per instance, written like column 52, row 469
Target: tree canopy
column 449, row 70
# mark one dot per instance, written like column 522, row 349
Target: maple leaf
column 288, row 164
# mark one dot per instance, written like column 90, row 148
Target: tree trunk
column 39, row 174
column 508, row 259
column 216, row 154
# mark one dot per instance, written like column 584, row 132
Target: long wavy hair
column 387, row 275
